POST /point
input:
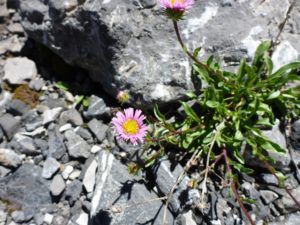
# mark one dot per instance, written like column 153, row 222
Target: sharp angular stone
column 71, row 116
column 9, row 125
column 112, row 176
column 4, row 171
column 26, row 144
column 165, row 178
column 89, row 178
column 18, row 70
column 77, row 147
column 9, row 158
column 98, row 128
column 67, row 171
column 57, row 185
column 17, row 107
column 268, row 196
column 56, row 146
column 50, row 115
column 51, row 166
column 84, row 133
column 48, row 218
column 96, row 109
column 26, row 189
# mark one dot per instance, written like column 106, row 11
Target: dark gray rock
column 4, row 171
column 126, row 51
column 268, row 196
column 295, row 135
column 73, row 191
column 71, row 116
column 57, row 185
column 56, row 146
column 33, row 121
column 250, row 191
column 286, row 204
column 25, row 145
column 9, row 158
column 51, row 166
column 96, row 109
column 84, row 133
column 98, row 128
column 77, row 147
column 17, row 107
column 116, row 189
column 9, row 125
column 166, row 175
column 268, row 178
column 26, row 189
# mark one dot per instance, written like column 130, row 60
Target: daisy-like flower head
column 130, row 126
column 175, row 8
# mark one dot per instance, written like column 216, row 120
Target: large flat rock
column 126, row 46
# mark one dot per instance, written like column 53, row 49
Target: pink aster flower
column 130, row 126
column 176, row 5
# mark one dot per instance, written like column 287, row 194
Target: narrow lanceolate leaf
column 158, row 114
column 274, row 95
column 190, row 112
column 285, row 69
column 260, row 51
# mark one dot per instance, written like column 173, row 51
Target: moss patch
column 26, row 95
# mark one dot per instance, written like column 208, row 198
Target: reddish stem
column 233, row 187
column 271, row 170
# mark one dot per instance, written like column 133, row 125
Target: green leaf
column 62, row 85
column 269, row 63
column 212, row 104
column 158, row 114
column 204, row 74
column 190, row 112
column 86, row 102
column 78, row 99
column 274, row 95
column 196, row 52
column 281, row 71
column 260, row 51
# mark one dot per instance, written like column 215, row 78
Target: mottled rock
column 57, row 185
column 126, row 51
column 18, row 216
column 18, row 70
column 291, row 219
column 9, row 158
column 15, row 28
column 26, row 189
column 4, row 171
column 51, row 166
column 84, row 133
column 77, row 147
column 112, row 177
column 98, row 128
column 295, row 135
column 11, row 44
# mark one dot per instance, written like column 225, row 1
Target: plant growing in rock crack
column 225, row 115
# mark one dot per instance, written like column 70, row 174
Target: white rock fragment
column 83, row 219
column 74, row 174
column 18, row 70
column 95, row 149
column 67, row 171
column 65, row 127
column 51, row 114
column 48, row 218
column 90, row 177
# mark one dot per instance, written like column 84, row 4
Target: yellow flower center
column 180, row 1
column 130, row 126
